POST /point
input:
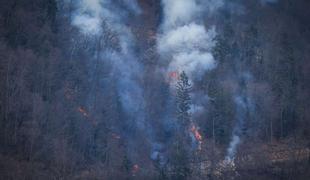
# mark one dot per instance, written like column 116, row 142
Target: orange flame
column 83, row 111
column 196, row 133
column 86, row 115
column 174, row 75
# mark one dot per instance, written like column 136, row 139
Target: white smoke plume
column 244, row 107
column 184, row 40
column 232, row 149
column 100, row 18
column 87, row 16
column 90, row 15
column 241, row 108
column 185, row 44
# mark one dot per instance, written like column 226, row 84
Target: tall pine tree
column 180, row 155
column 183, row 100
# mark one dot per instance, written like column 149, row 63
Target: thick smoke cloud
column 100, row 18
column 178, row 13
column 90, row 15
column 185, row 44
column 184, row 40
column 190, row 47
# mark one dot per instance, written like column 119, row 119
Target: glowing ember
column 197, row 136
column 83, row 111
column 86, row 115
column 196, row 133
column 174, row 75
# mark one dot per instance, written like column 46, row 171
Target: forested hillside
column 154, row 89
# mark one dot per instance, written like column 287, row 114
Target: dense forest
column 154, row 89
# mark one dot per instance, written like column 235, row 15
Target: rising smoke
column 244, row 110
column 90, row 15
column 184, row 40
column 241, row 109
column 100, row 18
column 185, row 44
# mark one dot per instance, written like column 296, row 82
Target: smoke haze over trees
column 154, row 89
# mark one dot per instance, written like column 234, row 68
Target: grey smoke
column 212, row 6
column 241, row 108
column 157, row 153
column 185, row 44
column 90, row 15
column 199, row 102
column 232, row 149
column 100, row 18
column 87, row 16
column 184, row 40
column 244, row 107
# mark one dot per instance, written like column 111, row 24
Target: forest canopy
column 154, row 89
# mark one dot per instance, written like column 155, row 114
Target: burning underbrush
column 194, row 130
